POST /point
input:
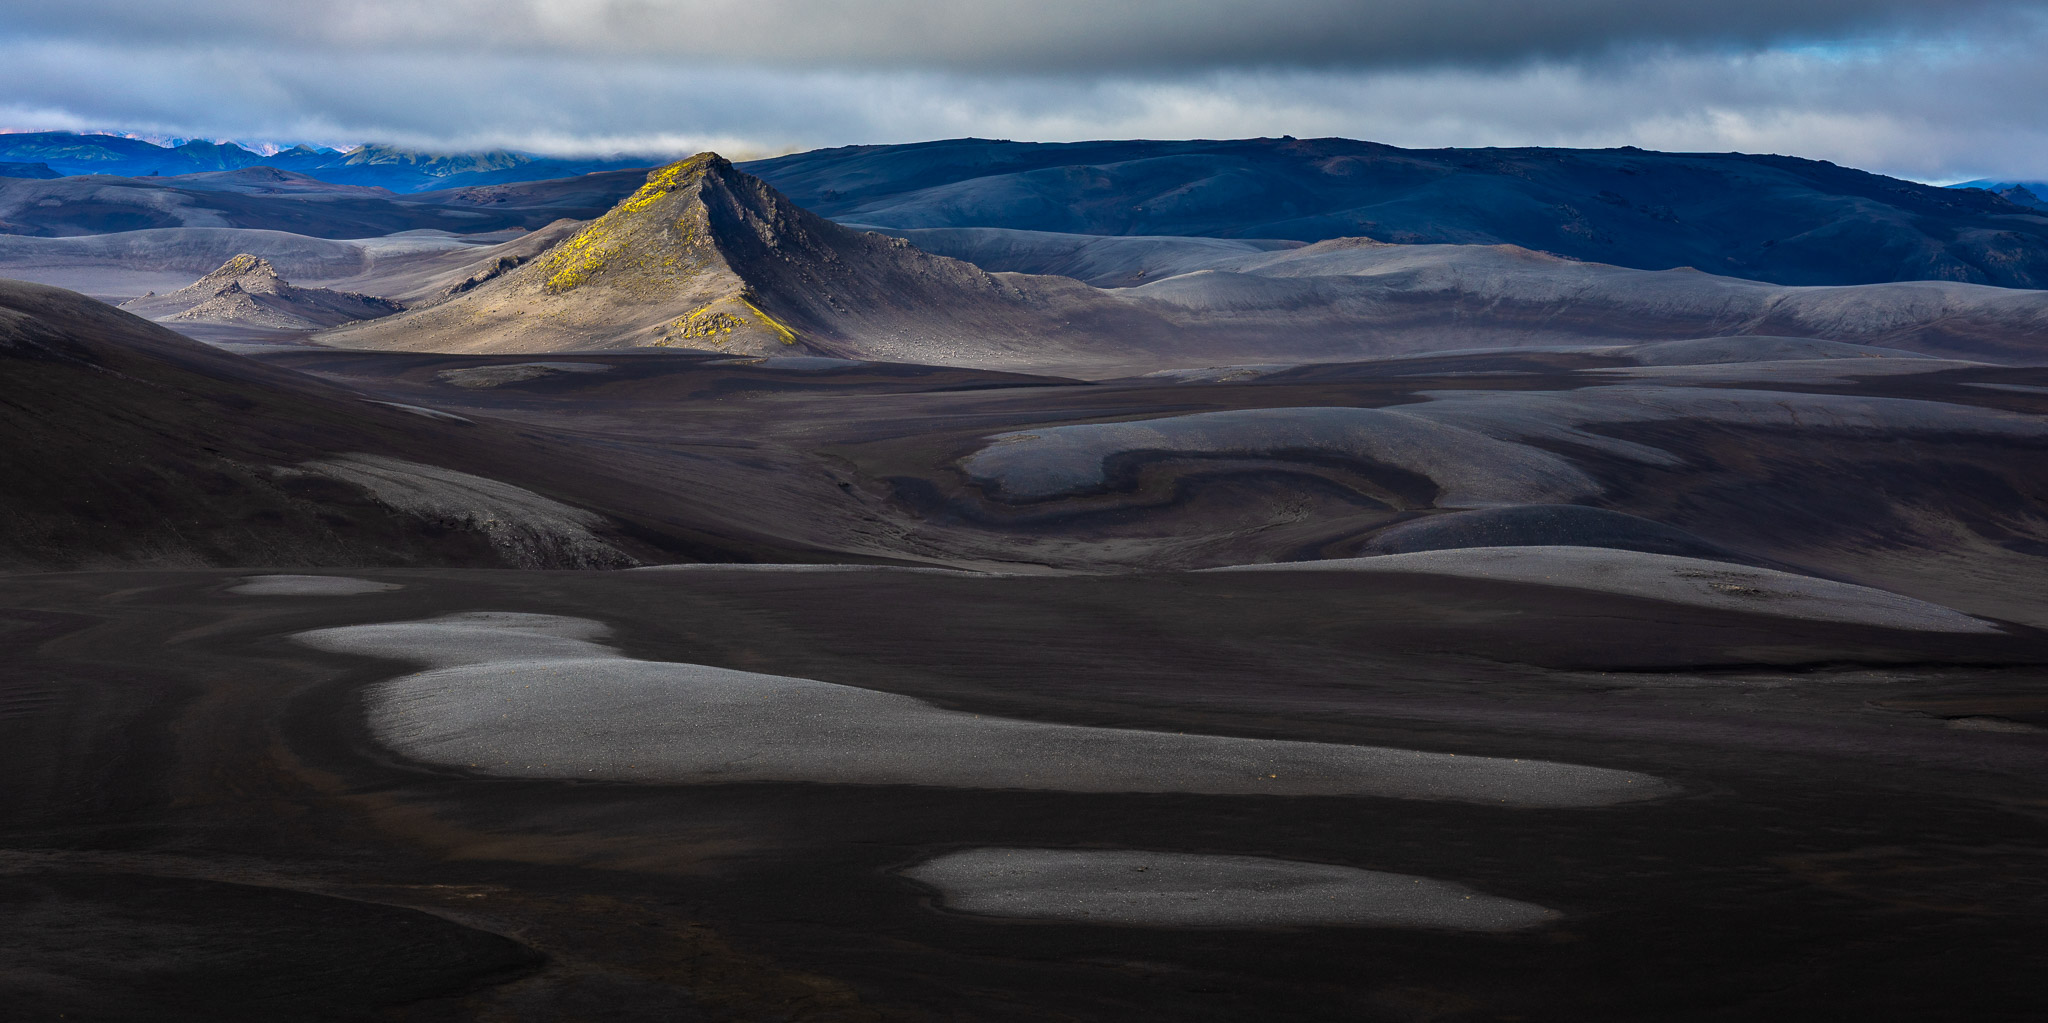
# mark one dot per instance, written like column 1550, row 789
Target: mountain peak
column 653, row 233
column 240, row 268
column 704, row 255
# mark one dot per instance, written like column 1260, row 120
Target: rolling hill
column 132, row 445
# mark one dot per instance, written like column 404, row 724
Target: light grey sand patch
column 1992, row 724
column 2014, row 388
column 1192, row 890
column 537, row 696
column 1677, row 580
column 498, row 376
column 722, row 566
column 1470, row 469
column 422, row 410
column 1701, row 351
column 526, row 528
column 1564, row 416
column 1219, row 374
column 309, row 586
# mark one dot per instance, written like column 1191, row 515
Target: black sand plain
column 200, row 824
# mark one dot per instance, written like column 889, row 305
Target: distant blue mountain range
column 1770, row 218
column 2032, row 194
column 400, row 170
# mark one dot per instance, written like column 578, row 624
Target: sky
column 1936, row 91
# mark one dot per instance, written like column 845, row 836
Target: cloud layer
column 1932, row 90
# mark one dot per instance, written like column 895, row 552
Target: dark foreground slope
column 1768, row 218
column 127, row 443
column 192, row 788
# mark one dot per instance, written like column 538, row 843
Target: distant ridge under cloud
column 391, row 167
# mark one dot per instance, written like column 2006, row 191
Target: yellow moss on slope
column 586, row 254
column 781, row 329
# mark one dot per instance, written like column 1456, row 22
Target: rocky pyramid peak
column 248, row 290
column 244, row 267
column 704, row 255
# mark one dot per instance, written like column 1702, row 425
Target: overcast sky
column 1939, row 91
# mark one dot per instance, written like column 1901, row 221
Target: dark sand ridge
column 1806, row 476
column 182, row 453
column 1168, row 889
column 526, row 695
column 1545, row 525
column 1710, row 584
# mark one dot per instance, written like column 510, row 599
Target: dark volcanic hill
column 706, row 256
column 1769, row 218
column 129, row 444
column 247, row 290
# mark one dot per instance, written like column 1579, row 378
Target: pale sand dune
column 1470, row 468
column 309, row 586
column 756, row 566
column 1130, row 887
column 536, row 696
column 1690, row 581
column 524, row 526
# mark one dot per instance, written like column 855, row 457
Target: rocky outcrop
column 247, row 291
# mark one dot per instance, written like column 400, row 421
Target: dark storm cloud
column 1113, row 36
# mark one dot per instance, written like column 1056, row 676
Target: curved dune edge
column 308, row 586
column 1663, row 577
column 1137, row 888
column 537, row 696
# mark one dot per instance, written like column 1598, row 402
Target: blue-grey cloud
column 1871, row 83
column 1117, row 36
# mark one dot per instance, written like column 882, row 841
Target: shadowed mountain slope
column 1769, row 218
column 247, row 290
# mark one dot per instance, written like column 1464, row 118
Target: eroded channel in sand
column 1163, row 889
column 540, row 696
